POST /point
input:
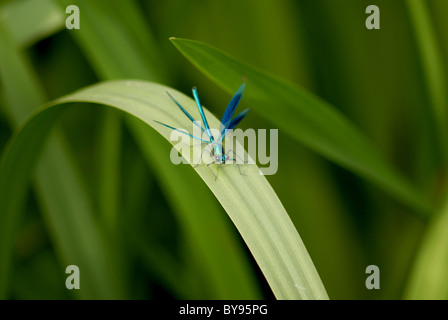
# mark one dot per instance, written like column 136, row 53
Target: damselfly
column 227, row 123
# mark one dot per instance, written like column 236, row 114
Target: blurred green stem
column 109, row 167
column 433, row 70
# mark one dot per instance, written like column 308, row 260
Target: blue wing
column 185, row 112
column 181, row 131
column 230, row 110
column 201, row 111
column 232, row 124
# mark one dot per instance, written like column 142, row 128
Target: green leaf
column 131, row 53
column 429, row 278
column 220, row 261
column 249, row 200
column 304, row 117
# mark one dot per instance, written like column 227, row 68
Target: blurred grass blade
column 433, row 70
column 123, row 54
column 109, row 169
column 305, row 117
column 429, row 277
column 31, row 20
column 249, row 200
column 65, row 204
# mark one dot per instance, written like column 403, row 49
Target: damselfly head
column 220, row 159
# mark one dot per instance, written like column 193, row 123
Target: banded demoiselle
column 227, row 123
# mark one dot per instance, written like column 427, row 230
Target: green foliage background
column 99, row 182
